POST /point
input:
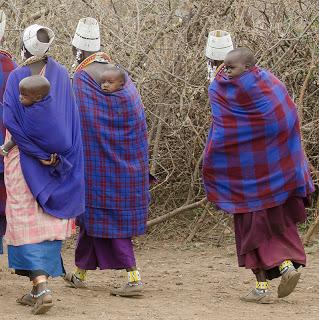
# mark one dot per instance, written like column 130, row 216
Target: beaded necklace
column 101, row 57
column 6, row 53
column 34, row 59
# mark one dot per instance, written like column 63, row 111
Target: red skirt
column 265, row 238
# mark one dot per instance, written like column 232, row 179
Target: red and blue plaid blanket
column 116, row 164
column 6, row 66
column 253, row 158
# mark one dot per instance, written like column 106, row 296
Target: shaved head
column 112, row 78
column 36, row 84
column 243, row 55
column 239, row 61
column 111, row 68
column 33, row 89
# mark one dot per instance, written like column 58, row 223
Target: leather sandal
column 43, row 299
column 27, row 299
column 73, row 281
column 258, row 297
column 288, row 282
column 128, row 290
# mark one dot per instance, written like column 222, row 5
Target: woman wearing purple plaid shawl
column 6, row 66
column 116, row 163
column 255, row 168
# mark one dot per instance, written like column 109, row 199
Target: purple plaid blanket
column 115, row 144
column 253, row 158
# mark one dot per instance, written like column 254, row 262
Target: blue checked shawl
column 116, row 157
column 253, row 158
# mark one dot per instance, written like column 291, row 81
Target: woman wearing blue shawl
column 44, row 193
column 116, row 166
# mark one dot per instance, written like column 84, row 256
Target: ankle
column 285, row 266
column 80, row 274
column 134, row 277
column 262, row 286
column 39, row 284
column 40, row 289
column 39, row 279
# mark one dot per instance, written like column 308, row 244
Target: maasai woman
column 116, row 166
column 44, row 174
column 255, row 168
column 6, row 66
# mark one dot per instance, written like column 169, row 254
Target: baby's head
column 112, row 79
column 33, row 89
column 238, row 61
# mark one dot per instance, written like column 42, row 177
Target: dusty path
column 195, row 282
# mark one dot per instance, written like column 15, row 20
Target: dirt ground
column 181, row 282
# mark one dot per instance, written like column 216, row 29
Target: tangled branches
column 161, row 43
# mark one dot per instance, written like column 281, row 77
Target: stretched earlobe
column 79, row 55
column 23, row 52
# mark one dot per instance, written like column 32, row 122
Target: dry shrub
column 161, row 43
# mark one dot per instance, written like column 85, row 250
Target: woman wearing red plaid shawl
column 6, row 66
column 116, row 163
column 255, row 168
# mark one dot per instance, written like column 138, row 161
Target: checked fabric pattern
column 6, row 66
column 116, row 158
column 253, row 158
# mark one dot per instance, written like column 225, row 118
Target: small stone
column 179, row 283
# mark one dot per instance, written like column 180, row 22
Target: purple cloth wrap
column 50, row 126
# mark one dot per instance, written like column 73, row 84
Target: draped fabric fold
column 116, row 159
column 253, row 157
column 49, row 126
column 267, row 237
column 115, row 145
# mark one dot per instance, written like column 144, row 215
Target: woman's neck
column 36, row 66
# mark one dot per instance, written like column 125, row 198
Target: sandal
column 73, row 281
column 43, row 299
column 288, row 282
column 27, row 299
column 257, row 297
column 128, row 290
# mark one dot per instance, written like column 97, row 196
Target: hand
column 52, row 161
column 3, row 151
